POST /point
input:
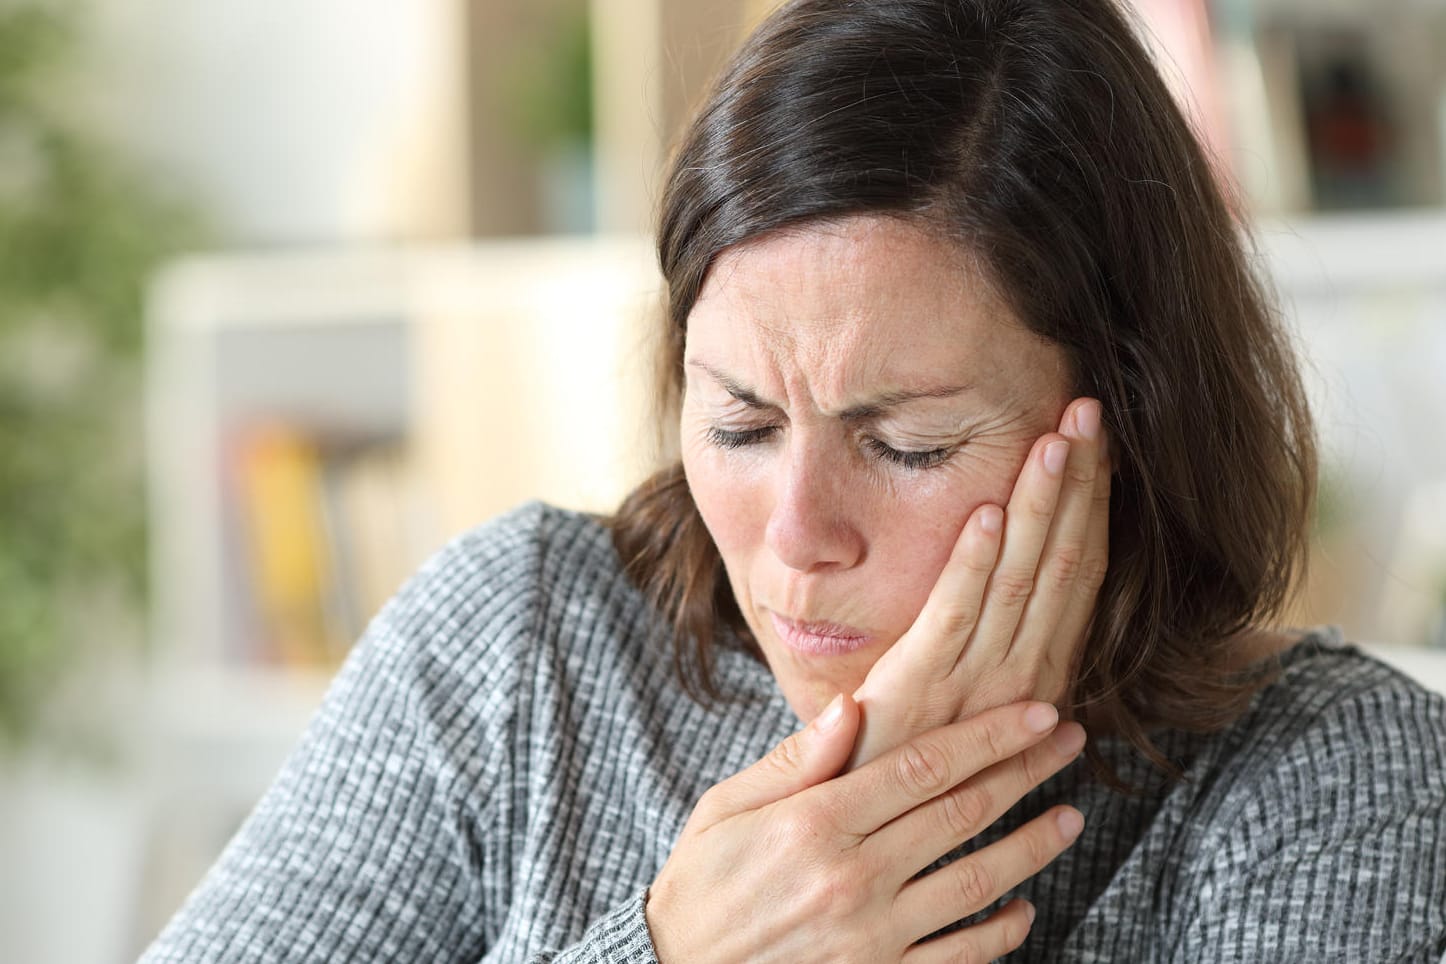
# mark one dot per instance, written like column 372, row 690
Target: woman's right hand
column 787, row 862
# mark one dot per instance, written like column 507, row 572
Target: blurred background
column 290, row 292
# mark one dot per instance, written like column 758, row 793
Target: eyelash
column 914, row 461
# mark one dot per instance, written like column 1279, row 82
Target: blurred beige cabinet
column 534, row 374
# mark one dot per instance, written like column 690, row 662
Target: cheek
column 913, row 540
column 728, row 499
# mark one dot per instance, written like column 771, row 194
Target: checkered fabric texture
column 506, row 759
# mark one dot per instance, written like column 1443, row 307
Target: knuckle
column 835, row 891
column 980, row 562
column 871, row 866
column 958, row 619
column 995, row 742
column 804, row 824
column 1011, row 588
column 963, row 811
column 788, row 756
column 1092, row 573
column 973, row 884
column 1040, row 509
column 923, row 768
column 1037, row 850
column 713, row 802
column 1066, row 566
column 1080, row 472
column 1032, row 771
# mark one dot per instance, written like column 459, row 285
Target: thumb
column 812, row 755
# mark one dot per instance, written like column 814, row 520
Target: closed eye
column 730, row 439
column 908, row 458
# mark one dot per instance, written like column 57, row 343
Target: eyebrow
column 872, row 408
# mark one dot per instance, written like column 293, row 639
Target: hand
column 783, row 862
column 1003, row 622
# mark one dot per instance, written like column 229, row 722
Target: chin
column 809, row 689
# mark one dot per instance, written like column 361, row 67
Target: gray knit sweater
column 506, row 759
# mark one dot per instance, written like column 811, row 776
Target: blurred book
column 1350, row 121
column 278, row 475
column 378, row 527
column 327, row 530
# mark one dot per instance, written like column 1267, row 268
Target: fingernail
column 1029, row 912
column 1055, row 454
column 1041, row 717
column 1069, row 740
column 1087, row 419
column 831, row 715
column 991, row 519
column 1071, row 822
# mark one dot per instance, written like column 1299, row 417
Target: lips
column 819, row 638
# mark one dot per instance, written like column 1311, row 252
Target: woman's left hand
column 1006, row 619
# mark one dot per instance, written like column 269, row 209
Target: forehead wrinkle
column 834, row 317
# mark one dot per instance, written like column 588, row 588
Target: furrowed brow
column 878, row 406
column 873, row 408
column 733, row 387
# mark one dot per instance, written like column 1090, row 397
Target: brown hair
column 1037, row 134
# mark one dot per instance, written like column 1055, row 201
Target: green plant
column 79, row 233
column 548, row 81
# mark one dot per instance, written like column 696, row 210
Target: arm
column 366, row 847
column 1338, row 851
column 620, row 937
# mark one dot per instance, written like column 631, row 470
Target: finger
column 805, row 759
column 1038, row 639
column 952, row 609
column 1026, row 523
column 1002, row 933
column 917, row 839
column 972, row 883
column 933, row 763
column 1074, row 623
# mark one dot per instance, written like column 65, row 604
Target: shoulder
column 519, row 550
column 1363, row 728
column 465, row 641
column 491, row 586
column 406, row 779
column 1329, row 795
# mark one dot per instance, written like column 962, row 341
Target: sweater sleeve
column 620, row 937
column 373, row 843
column 1336, row 851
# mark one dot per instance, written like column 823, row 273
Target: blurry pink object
column 1178, row 32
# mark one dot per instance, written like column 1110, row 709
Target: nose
column 810, row 527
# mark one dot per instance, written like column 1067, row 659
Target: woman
column 981, row 411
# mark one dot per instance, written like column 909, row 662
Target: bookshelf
column 316, row 342
column 407, row 394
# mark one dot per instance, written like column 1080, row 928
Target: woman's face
column 854, row 391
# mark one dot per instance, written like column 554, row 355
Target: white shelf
column 1426, row 666
column 319, row 339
